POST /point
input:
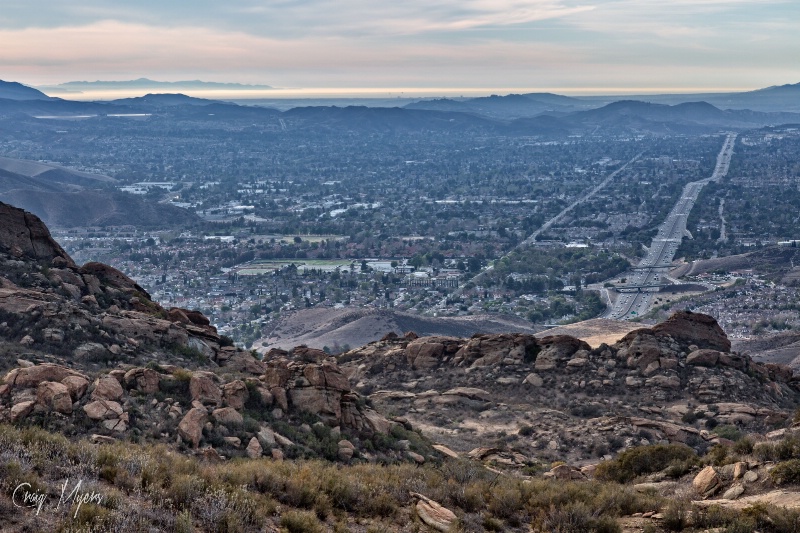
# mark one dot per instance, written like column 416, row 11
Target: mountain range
column 537, row 114
column 145, row 83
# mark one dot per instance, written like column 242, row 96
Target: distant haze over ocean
column 362, row 92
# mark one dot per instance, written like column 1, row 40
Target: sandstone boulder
column 103, row 409
column 54, row 396
column 23, row 234
column 557, row 349
column 235, row 394
column 534, row 380
column 21, row 410
column 346, row 450
column 190, row 428
column 266, row 437
column 433, row 514
column 705, row 357
column 32, row 376
column 326, row 375
column 566, row 473
column 322, row 402
column 145, row 380
column 77, row 386
column 643, row 349
column 492, row 349
column 707, row 482
column 734, row 492
column 203, row 388
column 308, row 355
column 112, row 277
column 228, row 417
column 424, row 354
column 694, row 328
column 254, row 449
column 471, row 393
column 107, row 388
column 241, row 362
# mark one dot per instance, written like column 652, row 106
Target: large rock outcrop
column 23, row 234
column 694, row 328
column 323, row 390
column 94, row 311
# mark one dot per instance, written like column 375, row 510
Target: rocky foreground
column 556, row 398
column 474, row 427
column 96, row 356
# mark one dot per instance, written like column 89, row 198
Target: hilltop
column 12, row 90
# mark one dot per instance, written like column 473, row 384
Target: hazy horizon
column 374, row 92
column 567, row 46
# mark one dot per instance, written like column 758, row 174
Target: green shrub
column 717, row 454
column 786, row 472
column 644, row 460
column 728, row 431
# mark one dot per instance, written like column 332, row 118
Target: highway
column 645, row 280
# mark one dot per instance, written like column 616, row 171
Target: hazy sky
column 552, row 44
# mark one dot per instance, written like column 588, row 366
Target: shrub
column 675, row 516
column 743, row 446
column 300, row 522
column 729, row 432
column 764, row 451
column 644, row 460
column 786, row 472
column 717, row 454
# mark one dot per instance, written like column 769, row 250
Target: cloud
column 296, row 17
column 349, row 43
column 115, row 49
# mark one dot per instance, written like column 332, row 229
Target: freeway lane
column 645, row 280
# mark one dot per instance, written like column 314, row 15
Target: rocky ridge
column 556, row 398
column 90, row 353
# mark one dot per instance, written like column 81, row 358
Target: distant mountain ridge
column 506, row 107
column 12, row 90
column 534, row 114
column 778, row 98
column 148, row 83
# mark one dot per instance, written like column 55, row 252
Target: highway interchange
column 645, row 280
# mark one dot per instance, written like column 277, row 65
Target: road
column 645, row 280
column 546, row 226
column 532, row 237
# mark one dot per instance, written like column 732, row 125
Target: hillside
column 320, row 327
column 774, row 262
column 12, row 90
column 63, row 197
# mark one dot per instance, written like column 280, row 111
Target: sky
column 569, row 46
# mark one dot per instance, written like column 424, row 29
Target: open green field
column 305, row 238
column 267, row 267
